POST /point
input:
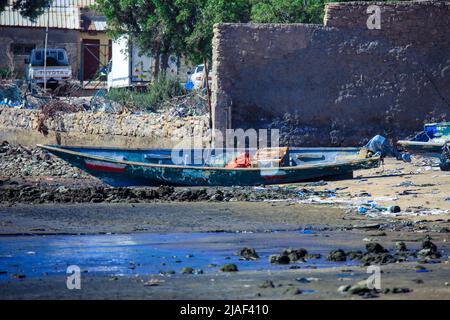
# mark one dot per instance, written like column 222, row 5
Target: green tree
column 198, row 39
column 183, row 27
column 149, row 23
column 288, row 11
column 28, row 8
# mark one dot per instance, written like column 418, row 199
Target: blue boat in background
column 430, row 141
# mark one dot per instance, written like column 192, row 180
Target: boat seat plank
column 154, row 156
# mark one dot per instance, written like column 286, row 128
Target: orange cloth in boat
column 242, row 161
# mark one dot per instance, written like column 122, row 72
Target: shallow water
column 144, row 254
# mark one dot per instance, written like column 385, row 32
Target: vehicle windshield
column 199, row 69
column 55, row 58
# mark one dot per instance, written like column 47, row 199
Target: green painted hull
column 129, row 173
column 418, row 147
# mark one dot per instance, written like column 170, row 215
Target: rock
column 19, row 276
column 400, row 246
column 62, row 189
column 167, row 273
column 313, row 256
column 231, row 267
column 292, row 291
column 279, row 259
column 164, row 191
column 359, row 288
column 354, row 255
column 401, row 290
column 429, row 250
column 267, row 284
column 187, row 270
column 367, row 226
column 344, row 289
column 295, row 254
column 381, row 258
column 375, row 248
column 337, row 256
column 153, row 282
column 248, row 254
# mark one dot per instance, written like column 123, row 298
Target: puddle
column 143, row 254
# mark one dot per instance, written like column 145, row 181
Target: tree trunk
column 155, row 62
column 165, row 60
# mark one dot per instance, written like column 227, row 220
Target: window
column 22, row 49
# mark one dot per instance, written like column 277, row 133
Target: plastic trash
column 362, row 210
column 380, row 145
column 189, row 86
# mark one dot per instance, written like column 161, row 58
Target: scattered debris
column 267, row 284
column 153, row 282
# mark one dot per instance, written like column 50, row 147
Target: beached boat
column 430, row 141
column 208, row 167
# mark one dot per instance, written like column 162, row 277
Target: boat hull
column 128, row 173
column 419, row 147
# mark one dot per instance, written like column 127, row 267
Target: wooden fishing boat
column 430, row 141
column 207, row 167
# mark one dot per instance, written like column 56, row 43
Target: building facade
column 72, row 26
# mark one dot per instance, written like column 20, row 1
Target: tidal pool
column 141, row 254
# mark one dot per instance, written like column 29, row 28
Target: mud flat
column 164, row 217
column 172, row 243
column 193, row 265
column 177, row 251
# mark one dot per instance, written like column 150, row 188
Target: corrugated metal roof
column 73, row 3
column 67, row 3
column 60, row 17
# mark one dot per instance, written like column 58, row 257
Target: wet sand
column 331, row 228
column 335, row 225
column 239, row 285
column 248, row 284
column 164, row 217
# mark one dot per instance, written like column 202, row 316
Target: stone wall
column 337, row 84
column 102, row 129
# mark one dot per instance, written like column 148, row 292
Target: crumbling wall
column 103, row 129
column 337, row 84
